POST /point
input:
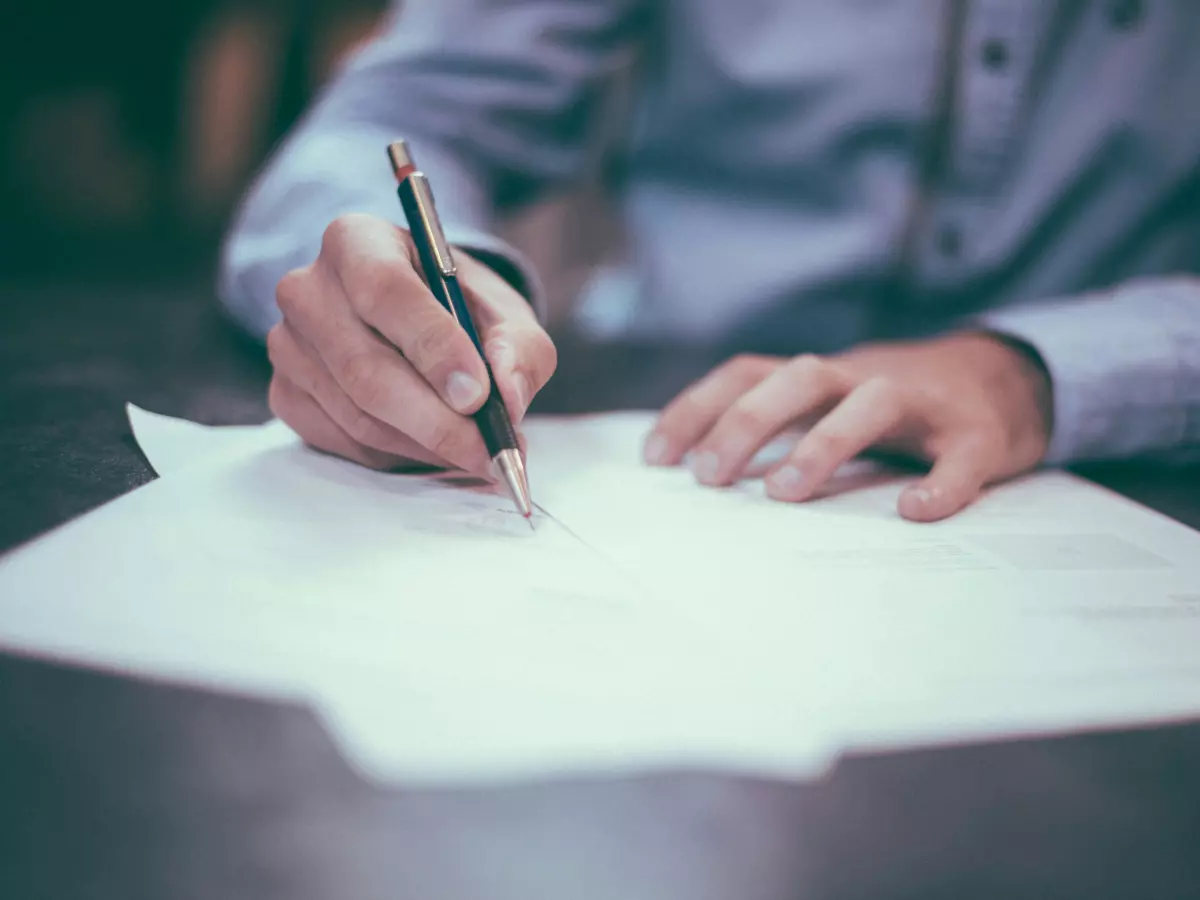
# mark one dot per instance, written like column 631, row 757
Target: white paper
column 438, row 634
column 171, row 444
column 1049, row 605
column 648, row 622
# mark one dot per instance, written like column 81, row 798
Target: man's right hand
column 369, row 366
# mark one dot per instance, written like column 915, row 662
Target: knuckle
column 742, row 365
column 826, row 445
column 290, row 291
column 744, row 419
column 339, row 233
column 432, row 342
column 386, row 292
column 529, row 350
column 544, row 353
column 281, row 401
column 275, row 351
column 500, row 354
column 375, row 285
column 688, row 407
column 887, row 390
column 361, row 427
column 360, row 380
column 446, row 440
column 809, row 367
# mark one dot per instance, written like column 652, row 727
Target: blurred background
column 129, row 129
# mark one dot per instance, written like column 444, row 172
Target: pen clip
column 431, row 224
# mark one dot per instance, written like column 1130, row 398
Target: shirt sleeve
column 495, row 98
column 1124, row 366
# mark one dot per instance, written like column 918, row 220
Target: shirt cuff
column 1114, row 377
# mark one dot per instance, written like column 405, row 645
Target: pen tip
column 512, row 471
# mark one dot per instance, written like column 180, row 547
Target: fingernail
column 919, row 496
column 916, row 503
column 655, row 451
column 463, row 391
column 704, row 466
column 787, row 480
column 521, row 388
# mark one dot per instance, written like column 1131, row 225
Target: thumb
column 955, row 480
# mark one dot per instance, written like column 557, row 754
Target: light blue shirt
column 802, row 176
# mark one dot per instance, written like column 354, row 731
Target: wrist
column 1019, row 378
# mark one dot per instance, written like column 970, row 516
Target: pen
column 441, row 274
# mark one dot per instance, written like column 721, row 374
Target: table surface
column 119, row 788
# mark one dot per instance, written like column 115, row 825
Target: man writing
column 964, row 232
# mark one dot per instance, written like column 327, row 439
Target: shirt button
column 994, row 54
column 1126, row 14
column 949, row 241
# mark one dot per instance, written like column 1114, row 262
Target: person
column 963, row 232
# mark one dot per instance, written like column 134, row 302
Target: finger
column 955, row 480
column 382, row 383
column 865, row 417
column 521, row 354
column 376, row 268
column 688, row 417
column 388, row 388
column 313, row 425
column 523, row 358
column 377, row 379
column 297, row 361
column 804, row 386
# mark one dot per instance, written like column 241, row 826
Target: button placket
column 999, row 40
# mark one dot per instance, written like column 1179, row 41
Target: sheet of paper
column 171, row 444
column 440, row 636
column 649, row 622
column 1049, row 605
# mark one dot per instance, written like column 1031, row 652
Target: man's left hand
column 974, row 406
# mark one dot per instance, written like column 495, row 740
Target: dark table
column 119, row 789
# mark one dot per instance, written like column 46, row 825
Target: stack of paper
column 646, row 621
